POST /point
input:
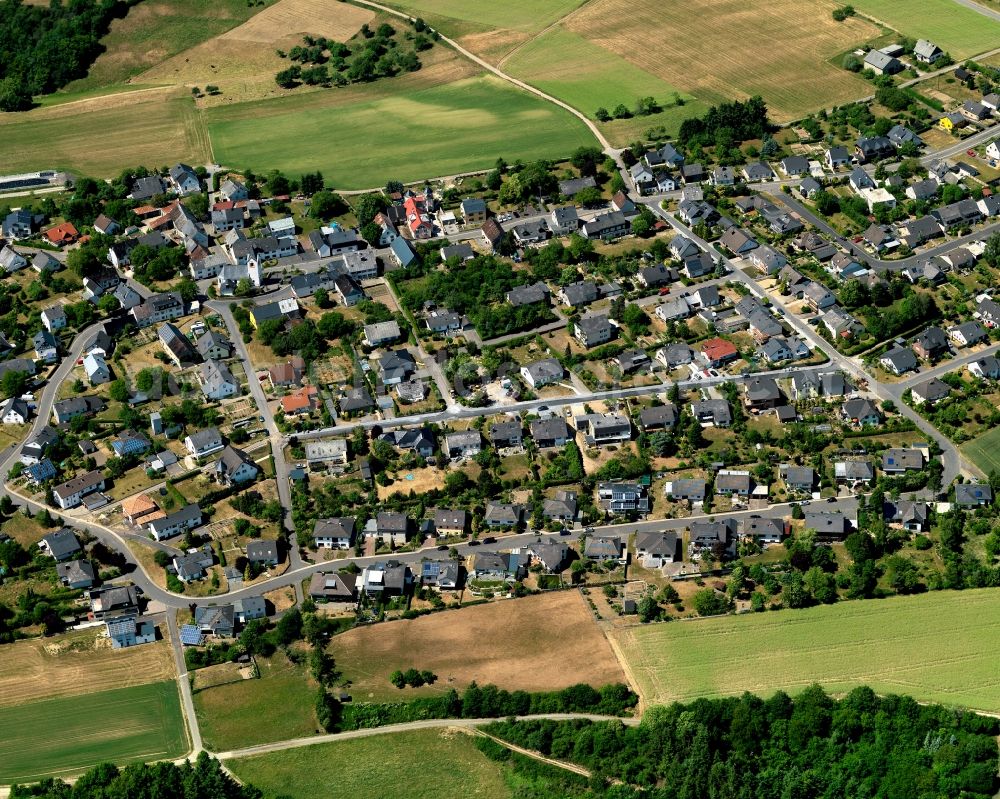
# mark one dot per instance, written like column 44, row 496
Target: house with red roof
column 63, row 234
column 718, row 351
column 417, row 218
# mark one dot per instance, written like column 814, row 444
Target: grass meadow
column 441, row 130
column 951, row 26
column 71, row 734
column 424, row 764
column 529, row 16
column 276, row 707
column 984, row 450
column 935, row 648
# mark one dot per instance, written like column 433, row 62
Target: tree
column 587, row 160
column 647, row 609
column 991, row 254
column 602, row 115
column 707, row 602
column 14, row 95
column 588, row 197
column 328, row 710
column 118, row 390
column 13, row 384
column 325, row 205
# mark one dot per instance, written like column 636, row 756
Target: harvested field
column 523, row 15
column 378, row 766
column 509, row 651
column 67, row 735
column 96, row 137
column 76, row 663
column 337, row 21
column 779, row 50
column 930, row 647
column 243, row 61
column 155, row 30
column 984, row 450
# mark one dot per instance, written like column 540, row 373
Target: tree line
column 752, row 748
column 44, row 48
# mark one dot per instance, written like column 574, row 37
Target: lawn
column 724, row 49
column 275, row 707
column 445, row 129
column 60, row 736
column 76, row 662
column 508, row 650
column 930, row 647
column 100, row 137
column 984, row 450
column 954, row 28
column 424, row 764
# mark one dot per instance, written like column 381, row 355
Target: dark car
column 443, row 548
column 489, row 540
column 831, row 499
column 474, row 543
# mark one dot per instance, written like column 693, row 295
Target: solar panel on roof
column 190, row 635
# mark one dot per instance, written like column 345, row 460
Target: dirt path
column 627, row 668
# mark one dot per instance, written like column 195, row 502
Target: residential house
column 911, row 515
column 235, row 467
column 390, row 528
column 733, row 482
column 609, row 428
column 564, row 220
column 611, row 225
column 492, row 234
column 375, row 335
column 113, row 601
column 320, row 454
column 97, row 369
column 620, row 497
column 986, row 368
column 396, row 366
column 548, row 433
column 61, row 545
column 528, row 295
column 711, row 535
column 582, row 292
column 931, row 344
column 561, row 508
column 184, row 180
column 836, row 158
column 654, row 550
column 898, row 360
column 474, row 211
column 829, row 526
column 176, row 345
column 737, row 241
column 767, row 259
column 763, row 530
column 798, row 479
column 686, row 489
column 569, row 188
column 214, row 346
column 216, row 381
column 175, row 523
column 215, row 620
column 591, row 331
column 334, row 533
column 861, row 412
column 605, row 548
column 158, row 308
column 493, row 566
column 929, row 391
column 76, row 574
column 717, row 352
column 263, row 551
column 14, row 410
column 402, row 252
column 501, row 514
column 658, row 417
column 758, row 171
column 506, row 434
column 333, row 587
column 54, row 318
column 249, row 608
column 551, row 554
column 204, row 442
column 464, row 444
column 356, row 400
column 898, row 461
column 882, row 64
column 71, row 493
column 967, row 333
column 449, row 522
column 11, row 260
column 420, row 440
column 868, row 149
column 973, row 495
column 46, row 347
column 713, row 412
column 129, row 442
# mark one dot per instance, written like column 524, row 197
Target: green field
column 442, row 130
column 936, row 648
column 276, row 707
column 984, row 450
column 952, row 27
column 529, row 16
column 587, row 77
column 70, row 734
column 425, row 764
